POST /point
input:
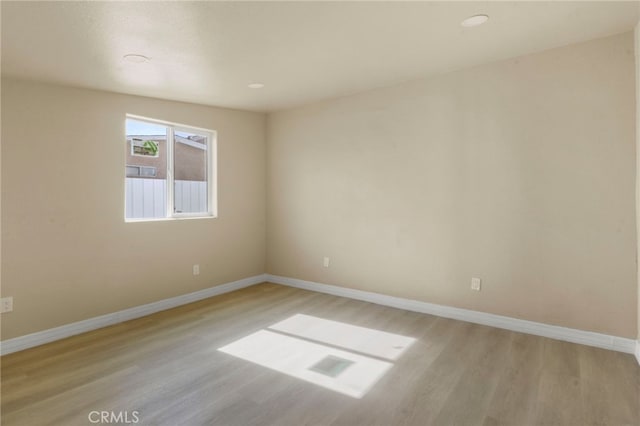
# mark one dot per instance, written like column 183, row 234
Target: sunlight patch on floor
column 358, row 339
column 295, row 357
column 341, row 357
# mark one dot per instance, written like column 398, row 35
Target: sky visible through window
column 139, row 128
column 135, row 127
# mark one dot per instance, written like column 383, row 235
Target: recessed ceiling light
column 475, row 20
column 135, row 58
column 255, row 85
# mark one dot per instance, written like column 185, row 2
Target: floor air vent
column 331, row 366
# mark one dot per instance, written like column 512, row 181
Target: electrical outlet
column 6, row 304
column 325, row 262
column 196, row 269
column 475, row 284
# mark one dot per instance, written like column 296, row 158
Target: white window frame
column 212, row 166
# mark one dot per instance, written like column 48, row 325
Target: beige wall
column 68, row 255
column 519, row 172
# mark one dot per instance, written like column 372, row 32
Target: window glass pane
column 190, row 172
column 146, row 171
column 133, row 171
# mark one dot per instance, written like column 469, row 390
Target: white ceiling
column 207, row 52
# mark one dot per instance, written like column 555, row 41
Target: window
column 134, row 171
column 169, row 171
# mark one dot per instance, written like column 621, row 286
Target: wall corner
column 636, row 38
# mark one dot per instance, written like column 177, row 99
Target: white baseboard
column 41, row 337
column 589, row 338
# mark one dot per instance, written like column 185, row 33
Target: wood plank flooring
column 167, row 368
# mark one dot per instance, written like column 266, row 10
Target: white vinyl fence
column 148, row 197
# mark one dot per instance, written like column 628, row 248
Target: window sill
column 166, row 219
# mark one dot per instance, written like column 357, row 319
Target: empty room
column 320, row 213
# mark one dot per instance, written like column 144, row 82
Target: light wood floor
column 167, row 367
